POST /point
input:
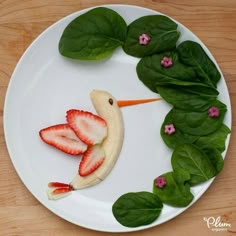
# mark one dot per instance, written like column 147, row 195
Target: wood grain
column 22, row 21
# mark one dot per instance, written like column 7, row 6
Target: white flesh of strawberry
column 94, row 131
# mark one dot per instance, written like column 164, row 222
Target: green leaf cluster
column 95, row 35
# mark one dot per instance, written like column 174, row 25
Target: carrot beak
column 124, row 103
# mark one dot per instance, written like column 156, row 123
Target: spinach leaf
column 178, row 137
column 196, row 88
column 137, row 208
column 93, row 35
column 192, row 54
column 198, row 123
column 176, row 192
column 183, row 98
column 193, row 160
column 215, row 158
column 214, row 140
column 150, row 71
column 162, row 31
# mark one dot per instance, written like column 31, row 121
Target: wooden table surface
column 214, row 21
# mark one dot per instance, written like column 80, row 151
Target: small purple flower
column 144, row 39
column 167, row 62
column 160, row 182
column 213, row 112
column 169, row 129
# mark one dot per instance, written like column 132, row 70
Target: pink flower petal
column 144, row 39
column 213, row 112
column 160, row 182
column 166, row 62
column 169, row 129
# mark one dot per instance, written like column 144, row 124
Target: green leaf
column 137, row 208
column 184, row 98
column 153, row 74
column 150, row 71
column 176, row 192
column 192, row 54
column 178, row 137
column 193, row 160
column 214, row 140
column 93, row 35
column 193, row 87
column 162, row 31
column 215, row 158
column 198, row 123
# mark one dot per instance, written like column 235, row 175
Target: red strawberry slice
column 63, row 138
column 90, row 128
column 91, row 160
column 61, row 190
column 58, row 185
column 57, row 193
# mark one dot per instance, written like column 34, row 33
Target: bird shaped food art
column 98, row 138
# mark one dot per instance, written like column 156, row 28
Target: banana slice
column 106, row 107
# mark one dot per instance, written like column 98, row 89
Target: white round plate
column 45, row 85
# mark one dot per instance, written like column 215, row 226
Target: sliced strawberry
column 57, row 193
column 61, row 190
column 91, row 160
column 63, row 138
column 58, row 185
column 90, row 128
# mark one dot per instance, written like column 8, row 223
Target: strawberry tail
column 57, row 185
column 58, row 190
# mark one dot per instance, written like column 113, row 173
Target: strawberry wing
column 90, row 128
column 91, row 160
column 62, row 137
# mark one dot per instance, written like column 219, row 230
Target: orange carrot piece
column 123, row 103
